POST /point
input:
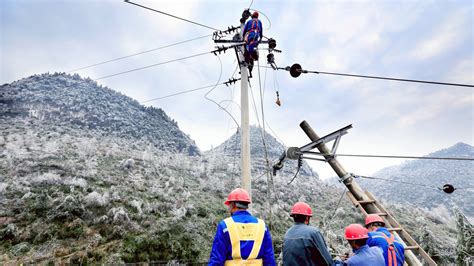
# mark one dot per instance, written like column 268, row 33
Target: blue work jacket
column 254, row 25
column 367, row 256
column 376, row 239
column 222, row 248
column 304, row 245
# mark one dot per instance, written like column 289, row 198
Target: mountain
column 230, row 151
column 88, row 175
column 70, row 103
column 425, row 178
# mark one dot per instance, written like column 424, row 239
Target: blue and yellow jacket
column 245, row 224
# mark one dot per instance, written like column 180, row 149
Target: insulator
column 295, row 70
column 272, row 43
column 448, row 188
column 270, row 58
column 245, row 15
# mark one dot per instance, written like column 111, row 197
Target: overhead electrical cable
column 139, row 53
column 173, row 16
column 395, row 156
column 295, row 71
column 390, row 78
column 153, row 65
column 217, row 84
column 269, row 22
column 397, row 181
column 181, row 92
column 250, row 4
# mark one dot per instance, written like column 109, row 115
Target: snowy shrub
column 137, row 205
column 77, row 182
column 47, row 179
column 128, row 164
column 94, row 199
column 3, row 187
column 118, row 215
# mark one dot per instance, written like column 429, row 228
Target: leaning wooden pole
column 354, row 188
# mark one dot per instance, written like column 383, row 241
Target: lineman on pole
column 241, row 239
column 304, row 244
column 253, row 34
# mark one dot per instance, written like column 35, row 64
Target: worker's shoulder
column 313, row 229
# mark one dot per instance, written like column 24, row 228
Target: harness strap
column 233, row 235
column 257, row 244
column 392, row 257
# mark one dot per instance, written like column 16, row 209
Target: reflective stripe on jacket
column 225, row 245
column 304, row 245
column 379, row 238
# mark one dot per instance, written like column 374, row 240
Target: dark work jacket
column 304, row 245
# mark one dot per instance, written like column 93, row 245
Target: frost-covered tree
column 465, row 243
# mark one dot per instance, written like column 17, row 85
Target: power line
column 396, row 181
column 393, row 156
column 390, row 78
column 296, row 69
column 217, row 84
column 167, row 14
column 153, row 65
column 139, row 53
column 182, row 92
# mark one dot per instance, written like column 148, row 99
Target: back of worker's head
column 241, row 205
column 374, row 221
column 301, row 212
column 238, row 198
column 255, row 14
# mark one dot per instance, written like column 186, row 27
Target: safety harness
column 254, row 28
column 245, row 232
column 391, row 253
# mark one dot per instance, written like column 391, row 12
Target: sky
column 426, row 40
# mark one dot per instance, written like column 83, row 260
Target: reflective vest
column 245, row 232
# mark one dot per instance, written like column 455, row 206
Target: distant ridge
column 432, row 173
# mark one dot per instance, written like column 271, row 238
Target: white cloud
column 445, row 35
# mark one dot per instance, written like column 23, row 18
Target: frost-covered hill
column 434, row 173
column 70, row 103
column 229, row 151
column 87, row 175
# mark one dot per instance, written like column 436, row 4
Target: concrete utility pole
column 244, row 118
column 352, row 186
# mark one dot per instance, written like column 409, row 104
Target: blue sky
column 430, row 40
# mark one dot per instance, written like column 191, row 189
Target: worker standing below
column 241, row 239
column 393, row 250
column 363, row 255
column 253, row 34
column 304, row 244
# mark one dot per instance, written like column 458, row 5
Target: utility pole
column 239, row 46
column 244, row 117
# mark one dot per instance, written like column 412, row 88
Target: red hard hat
column 355, row 231
column 373, row 218
column 238, row 194
column 255, row 14
column 301, row 208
